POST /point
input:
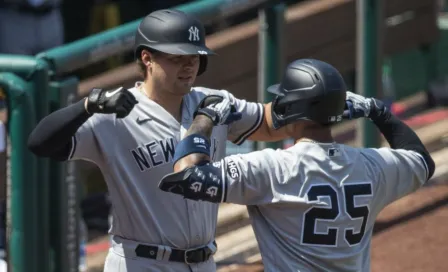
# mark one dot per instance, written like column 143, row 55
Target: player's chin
column 185, row 85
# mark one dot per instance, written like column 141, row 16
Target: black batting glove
column 120, row 101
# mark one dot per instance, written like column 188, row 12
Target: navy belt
column 189, row 256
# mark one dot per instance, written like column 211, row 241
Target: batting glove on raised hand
column 357, row 106
column 120, row 101
column 219, row 109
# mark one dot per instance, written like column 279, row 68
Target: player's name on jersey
column 154, row 153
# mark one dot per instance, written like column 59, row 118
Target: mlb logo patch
column 334, row 152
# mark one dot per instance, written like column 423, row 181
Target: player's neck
column 171, row 103
column 318, row 135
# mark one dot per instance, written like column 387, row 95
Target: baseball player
column 131, row 134
column 313, row 205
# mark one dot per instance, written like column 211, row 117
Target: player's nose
column 190, row 60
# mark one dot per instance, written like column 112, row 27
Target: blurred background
column 399, row 46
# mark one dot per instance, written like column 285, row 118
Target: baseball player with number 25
column 313, row 206
column 131, row 134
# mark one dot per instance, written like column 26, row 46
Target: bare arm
column 266, row 131
column 201, row 125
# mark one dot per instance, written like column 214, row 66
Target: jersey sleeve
column 397, row 172
column 257, row 178
column 252, row 118
column 85, row 144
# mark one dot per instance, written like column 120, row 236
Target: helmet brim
column 182, row 49
column 275, row 89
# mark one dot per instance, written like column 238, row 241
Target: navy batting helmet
column 173, row 32
column 310, row 90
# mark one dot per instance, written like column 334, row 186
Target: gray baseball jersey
column 135, row 152
column 313, row 206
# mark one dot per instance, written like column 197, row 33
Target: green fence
column 26, row 81
column 24, row 189
column 38, row 85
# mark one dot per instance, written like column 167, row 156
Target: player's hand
column 218, row 109
column 357, row 106
column 196, row 183
column 120, row 101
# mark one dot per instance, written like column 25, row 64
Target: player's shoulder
column 386, row 156
column 140, row 95
column 197, row 93
column 135, row 89
column 377, row 153
column 371, row 155
column 264, row 156
column 204, row 91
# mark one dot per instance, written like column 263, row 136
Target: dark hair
column 142, row 67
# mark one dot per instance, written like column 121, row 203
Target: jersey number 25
column 351, row 191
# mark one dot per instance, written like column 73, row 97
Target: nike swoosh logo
column 109, row 94
column 141, row 121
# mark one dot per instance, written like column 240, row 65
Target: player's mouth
column 184, row 78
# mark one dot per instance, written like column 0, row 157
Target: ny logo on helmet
column 196, row 186
column 194, row 34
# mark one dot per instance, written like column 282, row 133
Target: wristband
column 194, row 143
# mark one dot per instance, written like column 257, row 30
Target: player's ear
column 146, row 57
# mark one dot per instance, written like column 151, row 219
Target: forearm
column 201, row 125
column 52, row 136
column 193, row 176
column 401, row 136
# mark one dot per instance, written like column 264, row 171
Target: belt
column 189, row 256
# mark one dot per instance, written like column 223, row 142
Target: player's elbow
column 41, row 149
column 34, row 144
column 427, row 160
column 431, row 165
